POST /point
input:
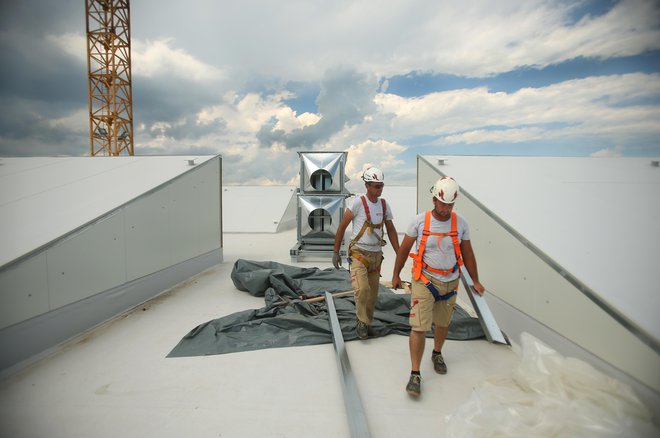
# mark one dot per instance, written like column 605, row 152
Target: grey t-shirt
column 369, row 241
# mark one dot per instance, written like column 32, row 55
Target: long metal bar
column 486, row 318
column 357, row 420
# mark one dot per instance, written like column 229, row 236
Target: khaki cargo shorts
column 424, row 310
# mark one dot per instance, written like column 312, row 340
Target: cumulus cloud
column 616, row 151
column 576, row 108
column 373, row 153
column 149, row 58
column 346, row 99
column 73, row 44
column 471, row 38
column 514, row 135
column 603, row 105
column 160, row 58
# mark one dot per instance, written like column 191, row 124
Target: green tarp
column 287, row 321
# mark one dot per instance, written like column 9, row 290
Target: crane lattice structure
column 109, row 77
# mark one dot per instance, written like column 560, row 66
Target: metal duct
column 319, row 217
column 322, row 172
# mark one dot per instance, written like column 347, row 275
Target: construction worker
column 443, row 247
column 368, row 213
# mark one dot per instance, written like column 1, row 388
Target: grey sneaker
column 414, row 386
column 362, row 330
column 438, row 363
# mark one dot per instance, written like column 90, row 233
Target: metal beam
column 357, row 420
column 486, row 318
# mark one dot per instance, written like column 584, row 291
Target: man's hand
column 479, row 288
column 336, row 259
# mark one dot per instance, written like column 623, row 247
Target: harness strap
column 367, row 225
column 418, row 258
column 362, row 259
column 366, row 208
column 435, row 292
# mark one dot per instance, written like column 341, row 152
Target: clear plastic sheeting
column 551, row 396
column 287, row 320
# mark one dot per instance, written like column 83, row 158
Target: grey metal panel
column 147, row 248
column 427, row 175
column 357, row 419
column 208, row 188
column 117, row 178
column 112, row 253
column 87, row 262
column 184, row 217
column 33, row 336
column 23, row 291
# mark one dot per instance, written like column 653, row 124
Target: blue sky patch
column 420, row 84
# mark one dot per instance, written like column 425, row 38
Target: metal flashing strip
column 634, row 328
column 357, row 420
column 486, row 318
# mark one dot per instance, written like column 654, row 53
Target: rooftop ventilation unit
column 321, row 203
column 322, row 172
column 318, row 218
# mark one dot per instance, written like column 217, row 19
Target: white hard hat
column 373, row 174
column 445, row 190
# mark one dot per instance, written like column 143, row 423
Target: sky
column 257, row 81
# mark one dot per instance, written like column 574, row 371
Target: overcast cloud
column 257, row 81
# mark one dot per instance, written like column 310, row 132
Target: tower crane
column 109, row 77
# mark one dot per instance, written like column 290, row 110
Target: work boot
column 438, row 363
column 362, row 330
column 414, row 386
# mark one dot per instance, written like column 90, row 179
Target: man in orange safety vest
column 443, row 247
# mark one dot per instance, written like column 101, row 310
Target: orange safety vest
column 418, row 259
column 369, row 226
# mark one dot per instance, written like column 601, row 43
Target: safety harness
column 367, row 226
column 418, row 259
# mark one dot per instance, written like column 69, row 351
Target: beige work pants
column 365, row 278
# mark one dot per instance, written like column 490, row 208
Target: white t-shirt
column 369, row 241
column 442, row 256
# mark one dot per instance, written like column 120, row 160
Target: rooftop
column 116, row 380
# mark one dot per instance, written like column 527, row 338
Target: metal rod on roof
column 357, row 420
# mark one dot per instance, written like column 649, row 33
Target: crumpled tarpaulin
column 287, row 321
column 549, row 395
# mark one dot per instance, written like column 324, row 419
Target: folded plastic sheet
column 286, row 320
column 551, row 396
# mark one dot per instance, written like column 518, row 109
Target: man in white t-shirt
column 443, row 246
column 368, row 213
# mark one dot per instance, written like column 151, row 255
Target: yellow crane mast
column 109, row 77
